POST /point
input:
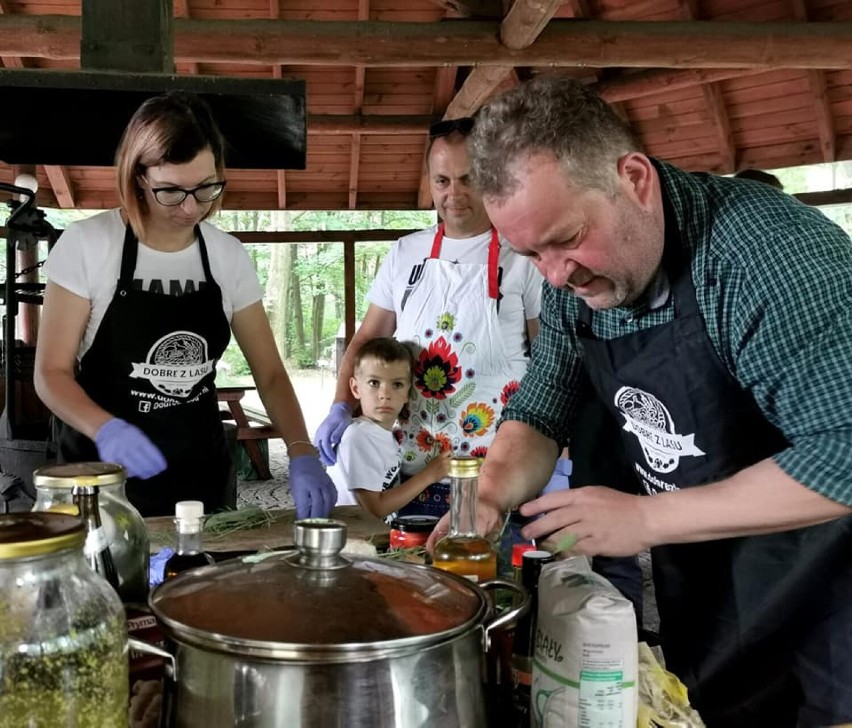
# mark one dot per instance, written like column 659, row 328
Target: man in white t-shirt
column 470, row 306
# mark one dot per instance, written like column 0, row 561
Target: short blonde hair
column 169, row 129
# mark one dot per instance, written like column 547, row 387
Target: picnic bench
column 252, row 425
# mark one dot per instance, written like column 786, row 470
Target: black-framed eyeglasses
column 463, row 126
column 173, row 196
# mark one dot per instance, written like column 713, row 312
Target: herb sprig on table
column 241, row 519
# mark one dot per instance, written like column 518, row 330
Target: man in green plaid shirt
column 713, row 318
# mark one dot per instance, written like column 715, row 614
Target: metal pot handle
column 149, row 649
column 510, row 615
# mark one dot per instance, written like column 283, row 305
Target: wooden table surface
column 277, row 535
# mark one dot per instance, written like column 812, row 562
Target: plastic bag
column 663, row 698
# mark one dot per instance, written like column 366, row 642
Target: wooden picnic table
column 250, row 428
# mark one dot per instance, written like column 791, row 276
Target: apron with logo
column 153, row 364
column 462, row 376
column 756, row 627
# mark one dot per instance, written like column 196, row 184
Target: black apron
column 153, row 364
column 759, row 628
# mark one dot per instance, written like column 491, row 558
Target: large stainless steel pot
column 313, row 638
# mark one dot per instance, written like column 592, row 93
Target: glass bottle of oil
column 462, row 551
column 189, row 552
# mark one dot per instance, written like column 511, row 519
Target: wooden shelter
column 714, row 85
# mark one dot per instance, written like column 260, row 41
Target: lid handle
column 319, row 541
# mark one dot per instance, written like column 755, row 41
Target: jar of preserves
column 126, row 535
column 411, row 531
column 63, row 636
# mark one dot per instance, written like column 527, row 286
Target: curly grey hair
column 548, row 115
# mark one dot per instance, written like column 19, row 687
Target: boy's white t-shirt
column 520, row 281
column 367, row 458
column 86, row 260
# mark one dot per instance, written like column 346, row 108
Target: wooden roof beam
column 181, row 10
column 522, row 25
column 357, row 105
column 442, row 94
column 9, row 61
column 277, row 72
column 822, row 109
column 690, row 10
column 599, row 44
column 63, row 187
column 661, row 80
column 721, row 127
column 281, row 177
column 471, row 8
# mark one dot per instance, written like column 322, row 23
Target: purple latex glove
column 312, row 489
column 559, row 479
column 331, row 430
column 121, row 443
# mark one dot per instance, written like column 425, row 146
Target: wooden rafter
column 277, row 72
column 181, row 10
column 721, row 127
column 816, row 83
column 442, row 94
column 281, row 179
column 357, row 105
column 715, row 103
column 657, row 80
column 63, row 187
column 9, row 61
column 599, row 44
column 471, row 8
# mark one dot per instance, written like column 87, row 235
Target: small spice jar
column 126, row 535
column 411, row 531
column 63, row 637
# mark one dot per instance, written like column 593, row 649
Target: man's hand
column 331, row 430
column 489, row 519
column 594, row 521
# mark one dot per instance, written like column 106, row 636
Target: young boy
column 368, row 461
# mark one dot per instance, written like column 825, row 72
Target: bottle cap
column 189, row 509
column 464, row 467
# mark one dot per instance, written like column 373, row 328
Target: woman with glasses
column 139, row 307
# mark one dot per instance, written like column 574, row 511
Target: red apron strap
column 493, row 258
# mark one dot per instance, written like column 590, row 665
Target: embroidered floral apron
column 462, row 375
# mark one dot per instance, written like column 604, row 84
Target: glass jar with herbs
column 63, row 636
column 126, row 535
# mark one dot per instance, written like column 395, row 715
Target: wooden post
column 28, row 313
column 130, row 35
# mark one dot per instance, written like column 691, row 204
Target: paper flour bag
column 586, row 653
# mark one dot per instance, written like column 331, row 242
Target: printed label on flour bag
column 586, row 655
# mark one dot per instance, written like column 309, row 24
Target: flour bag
column 586, row 651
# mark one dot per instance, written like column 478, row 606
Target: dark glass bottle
column 523, row 643
column 189, row 551
column 96, row 549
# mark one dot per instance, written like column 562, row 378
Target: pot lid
column 300, row 604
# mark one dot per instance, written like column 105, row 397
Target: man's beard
column 637, row 235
